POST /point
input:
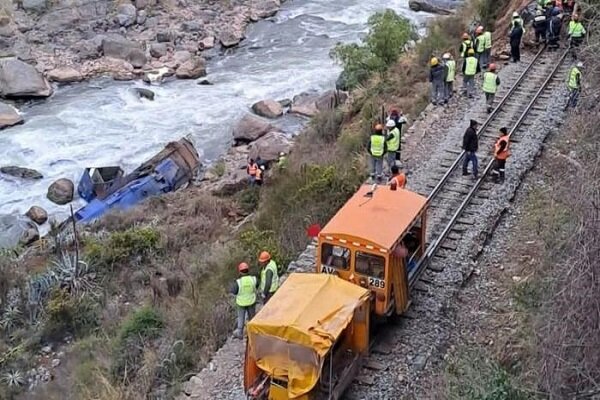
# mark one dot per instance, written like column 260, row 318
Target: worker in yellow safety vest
column 244, row 290
column 491, row 81
column 480, row 46
column 501, row 153
column 269, row 276
column 470, row 69
column 392, row 141
column 576, row 31
column 574, row 85
column 377, row 149
column 450, row 76
column 487, row 35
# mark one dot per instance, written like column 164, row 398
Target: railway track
column 453, row 195
column 454, row 198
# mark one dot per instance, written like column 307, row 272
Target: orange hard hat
column 243, row 267
column 465, row 35
column 264, row 256
column 492, row 67
column 378, row 127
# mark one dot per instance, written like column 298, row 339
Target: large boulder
column 207, row 43
column 230, row 37
column 37, row 215
column 264, row 8
column 268, row 108
column 250, row 128
column 126, row 14
column 123, row 49
column 435, row 6
column 21, row 80
column 65, row 75
column 17, row 230
column 158, row 50
column 193, row 68
column 9, row 116
column 20, row 172
column 331, row 99
column 144, row 93
column 34, row 5
column 270, row 146
column 305, row 104
column 61, row 191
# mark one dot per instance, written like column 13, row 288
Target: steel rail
column 432, row 249
column 485, row 125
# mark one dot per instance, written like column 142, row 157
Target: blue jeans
column 470, row 156
column 376, row 167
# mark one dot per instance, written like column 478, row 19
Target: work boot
column 489, row 110
column 465, row 172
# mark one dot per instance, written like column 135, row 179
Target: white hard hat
column 446, row 56
column 579, row 64
column 515, row 14
column 281, row 154
column 262, row 167
column 391, row 123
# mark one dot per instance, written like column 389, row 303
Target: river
column 100, row 123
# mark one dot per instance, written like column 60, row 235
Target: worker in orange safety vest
column 501, row 153
column 252, row 170
column 398, row 179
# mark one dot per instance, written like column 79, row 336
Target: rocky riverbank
column 71, row 40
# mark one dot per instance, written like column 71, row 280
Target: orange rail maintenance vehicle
column 374, row 241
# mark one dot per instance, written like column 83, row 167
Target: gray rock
column 9, row 116
column 181, row 57
column 21, row 80
column 207, row 43
column 61, row 191
column 305, row 104
column 191, row 26
column 37, row 215
column 331, row 99
column 204, row 82
column 285, row 103
column 20, row 172
column 194, row 68
column 64, row 75
column 142, row 4
column 157, row 75
column 250, row 128
column 126, row 14
column 267, row 108
column 91, row 48
column 164, row 37
column 230, row 37
column 265, row 8
column 118, row 47
column 435, row 6
column 270, row 146
column 17, row 230
column 34, row 5
column 144, row 93
column 137, row 58
column 158, row 50
column 55, row 362
column 141, row 17
column 47, row 349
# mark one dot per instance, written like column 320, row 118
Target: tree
column 388, row 33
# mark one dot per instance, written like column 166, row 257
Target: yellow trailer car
column 308, row 341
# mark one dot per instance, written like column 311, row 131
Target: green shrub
column 122, row 246
column 388, row 33
column 326, row 125
column 145, row 322
column 443, row 35
column 248, row 199
column 67, row 314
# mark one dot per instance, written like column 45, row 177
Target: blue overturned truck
column 108, row 188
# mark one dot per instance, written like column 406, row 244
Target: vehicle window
column 370, row 265
column 335, row 256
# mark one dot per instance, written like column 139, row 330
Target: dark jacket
column 234, row 286
column 438, row 73
column 554, row 26
column 540, row 24
column 515, row 36
column 470, row 140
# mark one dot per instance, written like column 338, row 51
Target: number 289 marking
column 378, row 283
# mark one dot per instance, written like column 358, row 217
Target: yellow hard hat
column 471, row 52
column 434, row 61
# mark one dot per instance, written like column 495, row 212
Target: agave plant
column 13, row 378
column 10, row 317
column 76, row 275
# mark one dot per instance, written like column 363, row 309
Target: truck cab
column 374, row 241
